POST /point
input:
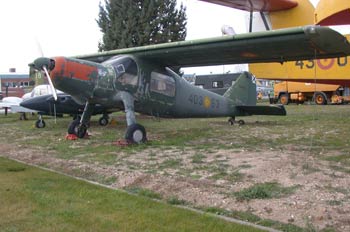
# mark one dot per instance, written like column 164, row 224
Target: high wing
column 299, row 43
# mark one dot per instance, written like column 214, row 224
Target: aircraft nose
column 35, row 103
column 27, row 103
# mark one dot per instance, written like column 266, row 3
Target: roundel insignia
column 207, row 102
column 325, row 64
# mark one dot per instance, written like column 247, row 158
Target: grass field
column 38, row 200
column 306, row 154
column 315, row 128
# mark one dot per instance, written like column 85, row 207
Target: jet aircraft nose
column 38, row 103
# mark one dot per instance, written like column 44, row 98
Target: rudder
column 243, row 91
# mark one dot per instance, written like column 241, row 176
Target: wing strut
column 264, row 19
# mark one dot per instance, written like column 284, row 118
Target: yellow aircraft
column 277, row 14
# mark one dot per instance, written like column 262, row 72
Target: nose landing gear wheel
column 136, row 133
column 40, row 123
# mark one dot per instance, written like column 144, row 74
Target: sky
column 34, row 28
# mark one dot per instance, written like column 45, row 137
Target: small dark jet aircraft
column 142, row 79
column 64, row 104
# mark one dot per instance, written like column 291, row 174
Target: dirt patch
column 209, row 179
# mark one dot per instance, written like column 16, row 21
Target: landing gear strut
column 79, row 126
column 232, row 121
column 135, row 133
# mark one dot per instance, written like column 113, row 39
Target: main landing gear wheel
column 136, row 133
column 103, row 121
column 40, row 123
column 77, row 129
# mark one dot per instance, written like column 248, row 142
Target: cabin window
column 163, row 84
column 218, row 84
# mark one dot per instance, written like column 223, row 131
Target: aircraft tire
column 81, row 131
column 40, row 124
column 136, row 133
column 103, row 121
column 73, row 126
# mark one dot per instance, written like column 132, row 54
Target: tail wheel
column 241, row 122
column 284, row 99
column 103, row 121
column 136, row 133
column 320, row 99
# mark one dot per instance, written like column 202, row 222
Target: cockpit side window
column 126, row 70
column 161, row 83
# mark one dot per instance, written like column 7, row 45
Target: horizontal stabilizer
column 263, row 110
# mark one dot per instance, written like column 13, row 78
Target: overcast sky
column 68, row 27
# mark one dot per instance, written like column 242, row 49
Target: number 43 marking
column 322, row 64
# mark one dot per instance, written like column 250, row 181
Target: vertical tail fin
column 243, row 91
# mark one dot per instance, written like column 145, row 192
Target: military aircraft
column 64, row 104
column 142, row 79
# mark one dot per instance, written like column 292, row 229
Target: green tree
column 131, row 23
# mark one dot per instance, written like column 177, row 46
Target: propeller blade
column 54, row 93
column 38, row 46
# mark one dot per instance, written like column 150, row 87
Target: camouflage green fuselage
column 174, row 98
